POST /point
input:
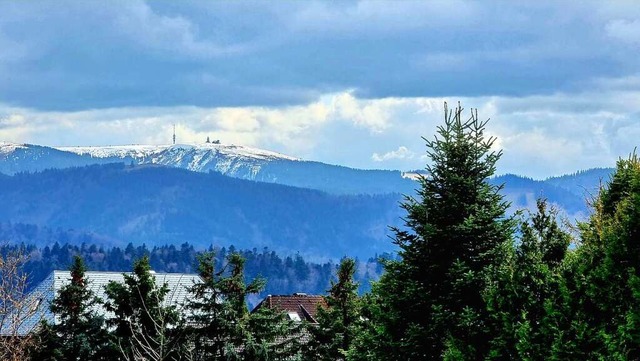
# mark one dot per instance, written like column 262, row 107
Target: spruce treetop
column 432, row 297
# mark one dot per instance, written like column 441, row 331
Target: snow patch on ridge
column 143, row 151
column 8, row 148
column 234, row 160
column 135, row 151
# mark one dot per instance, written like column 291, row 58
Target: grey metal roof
column 37, row 302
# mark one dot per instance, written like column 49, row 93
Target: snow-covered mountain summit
column 231, row 160
column 8, row 148
column 138, row 151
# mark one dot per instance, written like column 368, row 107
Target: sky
column 356, row 83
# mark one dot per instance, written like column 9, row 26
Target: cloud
column 370, row 115
column 12, row 121
column 400, row 153
column 541, row 135
column 235, row 119
column 89, row 55
column 137, row 21
column 340, row 82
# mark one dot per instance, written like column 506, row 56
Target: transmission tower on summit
column 174, row 134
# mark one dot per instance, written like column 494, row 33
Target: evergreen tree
column 220, row 326
column 605, row 273
column 332, row 337
column 79, row 332
column 145, row 328
column 430, row 303
column 527, row 292
column 48, row 346
column 271, row 335
column 234, row 294
column 209, row 322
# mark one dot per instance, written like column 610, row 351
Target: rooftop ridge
column 295, row 295
column 128, row 272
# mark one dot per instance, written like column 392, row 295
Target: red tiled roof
column 305, row 306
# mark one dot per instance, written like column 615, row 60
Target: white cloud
column 540, row 135
column 12, row 121
column 236, row 119
column 401, row 153
column 372, row 115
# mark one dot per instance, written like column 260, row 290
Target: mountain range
column 224, row 194
column 231, row 160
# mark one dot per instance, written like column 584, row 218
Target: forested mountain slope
column 583, row 183
column 160, row 205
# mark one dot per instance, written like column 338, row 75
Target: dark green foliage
column 49, row 345
column 220, row 326
column 605, row 272
column 142, row 323
column 332, row 337
column 431, row 299
column 286, row 274
column 272, row 336
column 527, row 291
column 373, row 337
column 214, row 318
column 79, row 333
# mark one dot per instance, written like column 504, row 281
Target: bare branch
column 17, row 307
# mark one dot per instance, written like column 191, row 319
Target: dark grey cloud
column 74, row 55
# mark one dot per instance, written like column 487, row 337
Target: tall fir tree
column 271, row 335
column 430, row 303
column 79, row 332
column 605, row 273
column 211, row 320
column 220, row 326
column 332, row 337
column 144, row 326
column 526, row 295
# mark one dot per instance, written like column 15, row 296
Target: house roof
column 36, row 306
column 298, row 306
